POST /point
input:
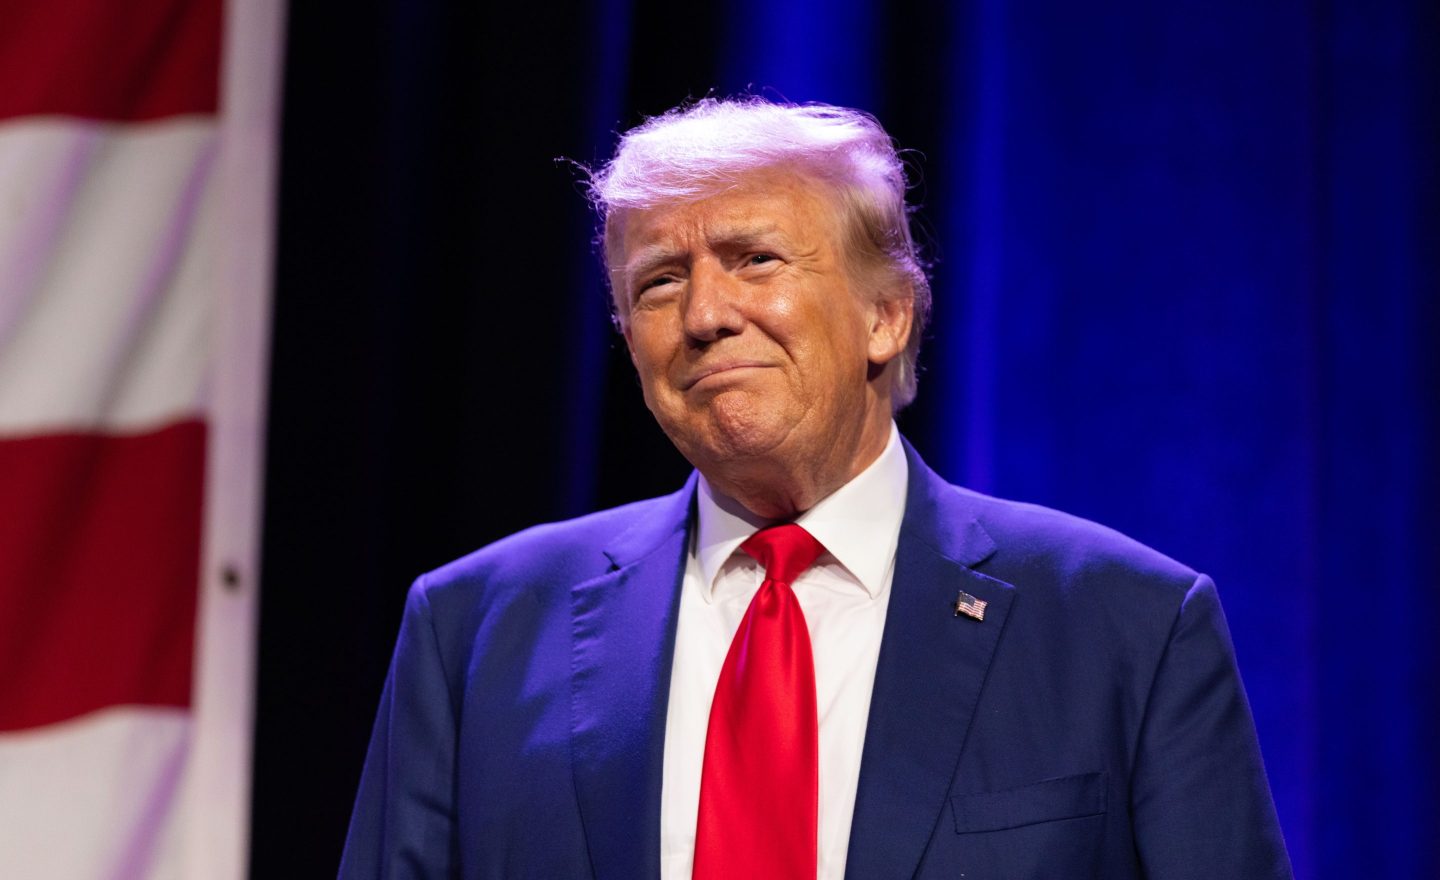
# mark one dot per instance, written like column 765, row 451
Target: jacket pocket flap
column 1068, row 797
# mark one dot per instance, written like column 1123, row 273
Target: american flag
column 970, row 606
column 136, row 154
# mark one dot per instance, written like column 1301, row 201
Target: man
column 817, row 658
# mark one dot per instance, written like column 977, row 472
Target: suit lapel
column 931, row 668
column 623, row 643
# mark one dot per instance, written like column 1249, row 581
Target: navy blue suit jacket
column 1092, row 725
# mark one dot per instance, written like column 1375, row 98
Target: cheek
column 840, row 339
column 652, row 354
column 648, row 351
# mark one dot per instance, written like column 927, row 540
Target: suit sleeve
column 1201, row 802
column 403, row 823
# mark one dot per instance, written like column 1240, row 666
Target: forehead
column 769, row 205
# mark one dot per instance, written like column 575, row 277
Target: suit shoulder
column 1031, row 538
column 566, row 552
column 1075, row 579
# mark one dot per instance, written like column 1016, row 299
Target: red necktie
column 760, row 789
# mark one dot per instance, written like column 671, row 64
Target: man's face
column 743, row 325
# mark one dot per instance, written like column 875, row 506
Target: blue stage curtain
column 1185, row 285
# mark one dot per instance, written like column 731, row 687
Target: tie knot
column 785, row 550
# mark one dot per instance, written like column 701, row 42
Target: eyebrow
column 648, row 259
column 651, row 257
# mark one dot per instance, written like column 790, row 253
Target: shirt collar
column 859, row 523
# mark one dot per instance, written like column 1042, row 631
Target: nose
column 711, row 305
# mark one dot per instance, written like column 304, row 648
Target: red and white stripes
column 137, row 145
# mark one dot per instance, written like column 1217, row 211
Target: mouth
column 719, row 371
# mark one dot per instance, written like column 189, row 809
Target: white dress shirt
column 844, row 596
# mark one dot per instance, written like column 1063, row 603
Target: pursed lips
column 717, row 368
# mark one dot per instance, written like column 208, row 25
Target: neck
column 778, row 486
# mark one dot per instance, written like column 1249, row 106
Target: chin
column 733, row 426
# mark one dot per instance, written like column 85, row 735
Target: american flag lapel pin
column 969, row 606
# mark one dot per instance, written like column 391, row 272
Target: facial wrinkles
column 751, row 300
column 670, row 237
column 693, row 223
column 797, row 314
column 723, row 243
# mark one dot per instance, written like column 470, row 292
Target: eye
column 761, row 259
column 656, row 282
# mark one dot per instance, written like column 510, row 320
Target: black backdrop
column 1185, row 277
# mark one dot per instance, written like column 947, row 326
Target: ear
column 890, row 320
